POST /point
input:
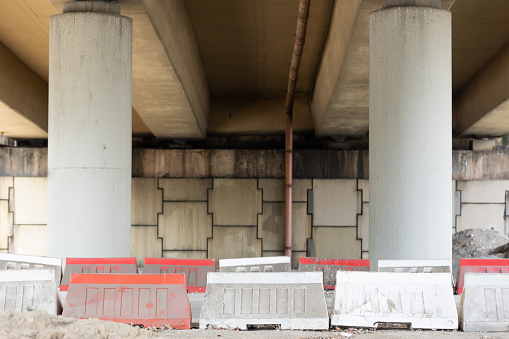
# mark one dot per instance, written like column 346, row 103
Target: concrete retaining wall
column 201, row 216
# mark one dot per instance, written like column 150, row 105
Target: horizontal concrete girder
column 170, row 91
column 481, row 107
column 340, row 99
column 23, row 98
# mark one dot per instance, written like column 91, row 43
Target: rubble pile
column 476, row 243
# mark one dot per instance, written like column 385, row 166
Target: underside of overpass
column 210, row 75
column 205, row 68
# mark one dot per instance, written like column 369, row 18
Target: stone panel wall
column 230, row 217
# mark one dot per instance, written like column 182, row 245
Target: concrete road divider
column 329, row 267
column 480, row 266
column 291, row 300
column 97, row 265
column 260, row 264
column 19, row 262
column 424, row 300
column 27, row 290
column 484, row 304
column 157, row 300
column 415, row 266
column 195, row 270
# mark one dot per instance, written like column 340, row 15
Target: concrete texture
column 292, row 300
column 336, row 242
column 363, row 227
column 206, row 163
column 258, row 116
column 185, row 226
column 189, row 189
column 6, row 228
column 89, row 179
column 491, row 192
column 271, row 226
column 327, row 98
column 470, row 265
column 179, row 85
column 195, row 270
column 27, row 290
column 235, row 202
column 246, row 46
column 234, row 242
column 29, row 240
column 415, row 266
column 410, row 108
column 17, row 262
column 145, row 243
column 329, row 267
column 335, row 202
column 261, row 264
column 484, row 303
column 157, row 300
column 146, row 201
column 185, row 254
column 424, row 300
column 23, row 97
column 5, row 184
column 481, row 107
column 30, row 201
column 484, row 216
column 274, row 189
column 96, row 266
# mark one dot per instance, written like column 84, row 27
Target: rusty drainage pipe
column 298, row 47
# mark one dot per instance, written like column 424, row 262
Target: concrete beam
column 340, row 99
column 481, row 107
column 23, row 96
column 170, row 91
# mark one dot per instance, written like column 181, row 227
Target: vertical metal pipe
column 298, row 47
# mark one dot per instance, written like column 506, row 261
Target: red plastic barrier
column 97, row 265
column 329, row 267
column 195, row 270
column 480, row 266
column 157, row 300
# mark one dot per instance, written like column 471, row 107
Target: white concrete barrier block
column 18, row 261
column 484, row 304
column 415, row 266
column 292, row 300
column 260, row 264
column 423, row 300
column 27, row 290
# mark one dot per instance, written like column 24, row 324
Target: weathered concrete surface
column 481, row 107
column 410, row 134
column 424, row 300
column 415, row 266
column 205, row 163
column 16, row 261
column 170, row 91
column 27, row 290
column 90, row 111
column 248, row 163
column 293, row 300
column 484, row 303
column 262, row 264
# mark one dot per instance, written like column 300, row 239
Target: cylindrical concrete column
column 410, row 140
column 90, row 132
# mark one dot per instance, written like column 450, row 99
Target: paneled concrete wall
column 226, row 218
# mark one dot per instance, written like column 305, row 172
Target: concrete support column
column 89, row 142
column 410, row 130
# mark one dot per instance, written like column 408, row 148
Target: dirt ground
column 39, row 325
